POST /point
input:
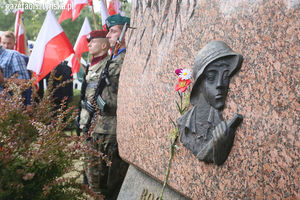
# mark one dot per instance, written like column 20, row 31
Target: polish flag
column 73, row 8
column 113, row 7
column 17, row 22
column 52, row 46
column 104, row 13
column 81, row 45
column 20, row 45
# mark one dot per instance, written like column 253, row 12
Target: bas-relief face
column 215, row 83
column 210, row 91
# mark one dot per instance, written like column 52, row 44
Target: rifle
column 82, row 97
column 102, row 83
column 119, row 41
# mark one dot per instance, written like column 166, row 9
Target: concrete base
column 139, row 186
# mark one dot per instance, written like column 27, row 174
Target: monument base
column 138, row 185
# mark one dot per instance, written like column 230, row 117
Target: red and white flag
column 52, row 46
column 73, row 8
column 113, row 7
column 17, row 22
column 21, row 44
column 81, row 45
column 104, row 13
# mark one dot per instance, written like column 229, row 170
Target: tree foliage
column 33, row 19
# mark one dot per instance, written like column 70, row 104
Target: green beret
column 115, row 20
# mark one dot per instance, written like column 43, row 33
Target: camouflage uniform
column 103, row 178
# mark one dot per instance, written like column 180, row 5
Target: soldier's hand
column 220, row 131
column 223, row 136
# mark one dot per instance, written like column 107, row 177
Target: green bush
column 35, row 153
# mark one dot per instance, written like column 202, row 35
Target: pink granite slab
column 264, row 161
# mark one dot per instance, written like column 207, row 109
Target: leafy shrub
column 35, row 153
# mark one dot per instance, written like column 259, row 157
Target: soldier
column 103, row 178
column 98, row 47
column 111, row 177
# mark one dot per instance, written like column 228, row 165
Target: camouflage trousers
column 103, row 178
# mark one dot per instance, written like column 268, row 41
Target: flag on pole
column 72, row 9
column 52, row 46
column 113, row 7
column 104, row 13
column 21, row 44
column 17, row 22
column 66, row 13
column 81, row 45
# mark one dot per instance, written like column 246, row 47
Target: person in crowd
column 62, row 84
column 13, row 66
column 8, row 41
column 1, row 77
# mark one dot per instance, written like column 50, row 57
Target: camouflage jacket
column 106, row 122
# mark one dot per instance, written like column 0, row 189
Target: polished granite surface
column 264, row 160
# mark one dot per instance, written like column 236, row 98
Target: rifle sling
column 99, row 90
column 102, row 83
column 82, row 97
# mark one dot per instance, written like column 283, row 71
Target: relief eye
column 210, row 76
column 226, row 75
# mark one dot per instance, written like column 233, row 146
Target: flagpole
column 94, row 17
column 25, row 39
column 79, row 62
column 17, row 24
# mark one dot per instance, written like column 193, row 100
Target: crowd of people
column 100, row 89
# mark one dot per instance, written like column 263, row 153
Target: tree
column 126, row 7
column 7, row 17
column 34, row 18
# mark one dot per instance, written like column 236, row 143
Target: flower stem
column 181, row 103
column 181, row 110
column 169, row 167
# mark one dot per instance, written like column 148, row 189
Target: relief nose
column 220, row 82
